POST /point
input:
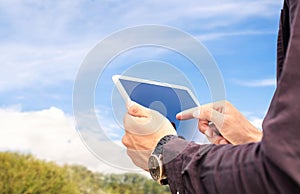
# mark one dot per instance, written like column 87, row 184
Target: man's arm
column 270, row 166
column 224, row 169
column 282, row 125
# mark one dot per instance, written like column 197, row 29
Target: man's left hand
column 144, row 127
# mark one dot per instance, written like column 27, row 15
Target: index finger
column 188, row 114
column 202, row 112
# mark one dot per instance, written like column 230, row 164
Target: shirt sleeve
column 270, row 166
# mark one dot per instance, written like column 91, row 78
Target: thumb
column 137, row 110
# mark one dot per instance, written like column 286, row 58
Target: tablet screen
column 167, row 100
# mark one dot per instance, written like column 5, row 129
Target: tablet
column 168, row 99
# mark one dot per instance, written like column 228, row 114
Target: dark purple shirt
column 270, row 166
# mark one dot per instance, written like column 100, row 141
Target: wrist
column 159, row 146
column 155, row 162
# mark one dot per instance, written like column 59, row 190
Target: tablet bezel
column 126, row 97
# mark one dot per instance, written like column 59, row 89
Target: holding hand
column 232, row 125
column 144, row 127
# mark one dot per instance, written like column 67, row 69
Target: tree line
column 24, row 174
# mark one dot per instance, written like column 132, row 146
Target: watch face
column 154, row 167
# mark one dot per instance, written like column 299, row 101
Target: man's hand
column 143, row 129
column 232, row 125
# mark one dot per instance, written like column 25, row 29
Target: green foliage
column 87, row 181
column 132, row 184
column 23, row 174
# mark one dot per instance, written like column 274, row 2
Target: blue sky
column 43, row 43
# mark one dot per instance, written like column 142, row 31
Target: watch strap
column 156, row 160
column 159, row 146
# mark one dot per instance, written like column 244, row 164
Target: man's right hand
column 232, row 125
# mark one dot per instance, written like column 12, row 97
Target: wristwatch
column 155, row 162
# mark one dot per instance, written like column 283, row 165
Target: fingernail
column 196, row 114
column 179, row 115
column 209, row 133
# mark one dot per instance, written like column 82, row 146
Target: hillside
column 25, row 174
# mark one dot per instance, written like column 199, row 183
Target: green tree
column 87, row 181
column 132, row 184
column 24, row 174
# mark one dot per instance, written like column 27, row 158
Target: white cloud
column 66, row 20
column 255, row 118
column 27, row 65
column 47, row 134
column 46, row 41
column 257, row 83
column 257, row 122
column 39, row 20
column 217, row 35
column 216, row 13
